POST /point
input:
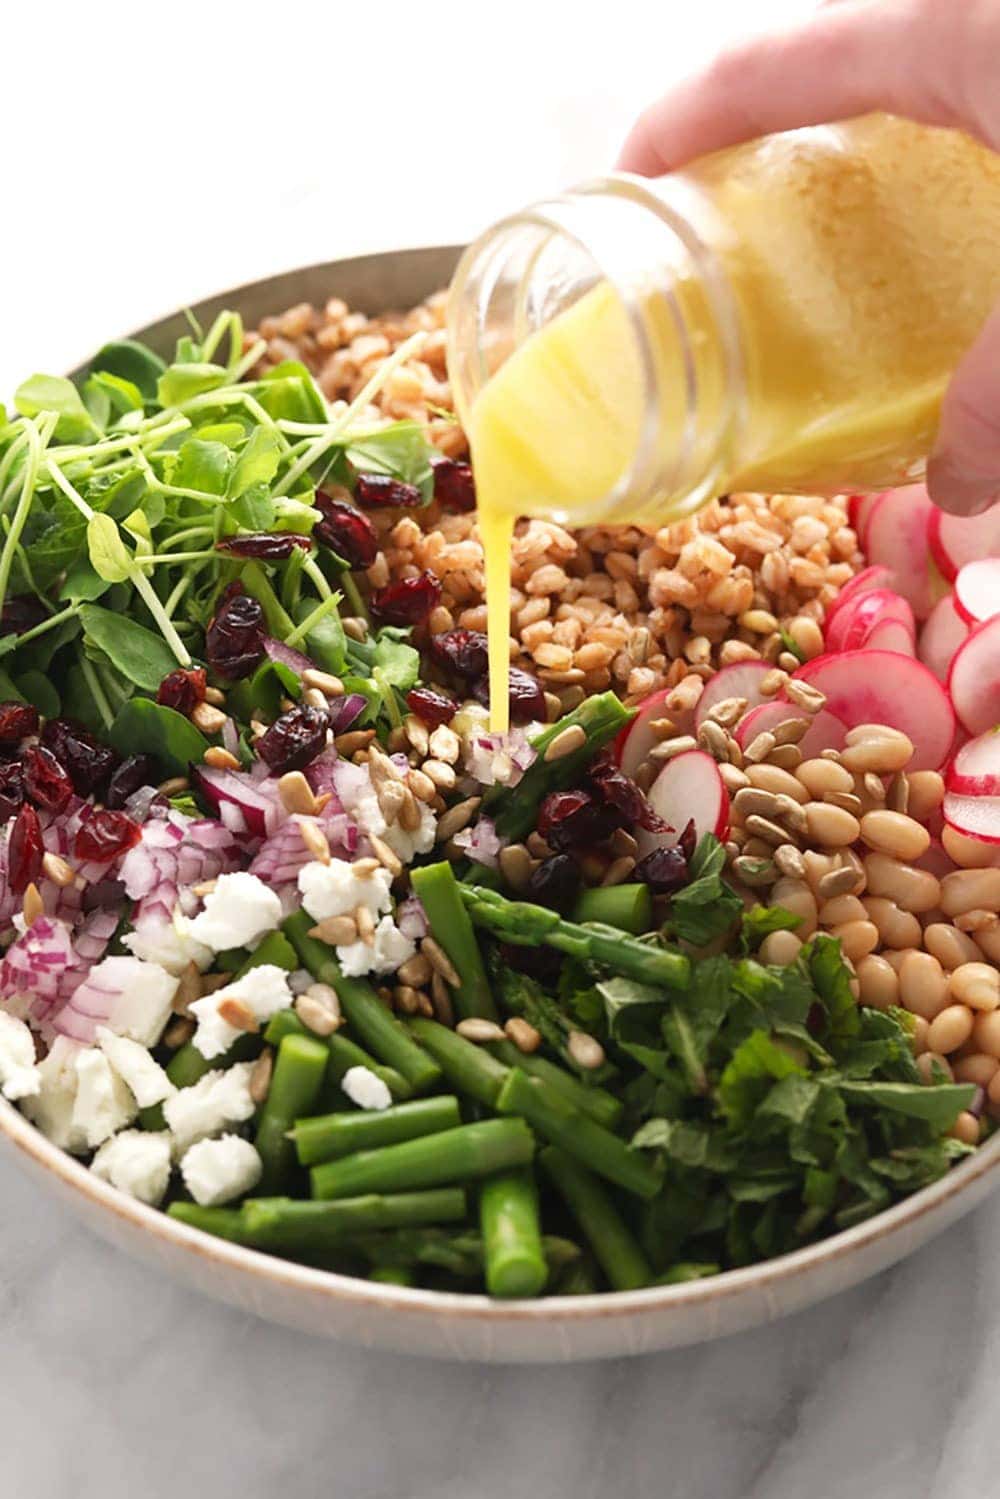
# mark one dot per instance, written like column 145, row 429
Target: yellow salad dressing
column 860, row 261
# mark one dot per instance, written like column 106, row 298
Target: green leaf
column 35, row 687
column 288, row 392
column 205, row 466
column 180, row 382
column 119, row 395
column 940, row 1105
column 623, row 996
column 792, row 1099
column 254, row 510
column 53, row 393
column 706, row 908
column 397, row 661
column 140, row 655
column 832, row 979
column 109, row 556
column 257, row 463
column 747, row 1078
column 82, row 584
column 145, row 727
column 127, row 359
column 761, row 921
column 401, row 450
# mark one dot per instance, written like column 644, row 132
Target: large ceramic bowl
column 473, row 1327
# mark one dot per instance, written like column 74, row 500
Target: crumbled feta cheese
column 145, row 1077
column 216, row 1171
column 420, row 841
column 51, row 1108
column 136, row 1162
column 18, row 1074
column 238, row 912
column 383, row 954
column 264, row 990
column 169, row 944
column 216, row 1102
column 335, row 890
column 365, row 1088
column 143, row 993
column 104, row 1103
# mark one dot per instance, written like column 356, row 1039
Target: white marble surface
column 115, row 1383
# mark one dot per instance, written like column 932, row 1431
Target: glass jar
column 783, row 316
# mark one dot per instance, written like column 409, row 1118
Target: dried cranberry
column 234, row 641
column 688, row 841
column 383, row 492
column 20, row 614
column 524, row 692
column 619, row 790
column 294, row 740
column 569, row 820
column 454, row 486
column 182, row 690
column 136, row 771
column 664, row 870
column 17, row 721
column 432, row 707
column 555, row 883
column 345, row 531
column 264, row 546
column 26, row 850
column 45, row 781
column 11, row 789
column 408, row 601
column 463, row 652
column 105, row 836
column 88, row 763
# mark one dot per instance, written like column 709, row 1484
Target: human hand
column 933, row 61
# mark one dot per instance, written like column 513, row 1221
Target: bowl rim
column 418, row 1304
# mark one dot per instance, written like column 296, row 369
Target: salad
column 659, row 983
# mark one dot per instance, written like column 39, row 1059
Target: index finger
column 847, row 60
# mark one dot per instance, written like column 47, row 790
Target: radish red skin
column 634, row 742
column 974, row 769
column 896, row 535
column 955, row 540
column 974, row 816
column 977, row 590
column 854, row 627
column 974, row 678
column 863, row 582
column 883, row 687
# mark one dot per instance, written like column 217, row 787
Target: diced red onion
column 344, row 710
column 286, row 655
column 35, row 963
column 231, row 737
column 412, row 919
column 261, row 809
column 482, row 843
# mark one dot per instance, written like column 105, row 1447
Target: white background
column 159, row 153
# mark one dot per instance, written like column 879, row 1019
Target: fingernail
column 955, row 490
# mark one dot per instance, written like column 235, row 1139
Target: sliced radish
column 825, row 731
column 943, row 632
column 957, row 539
column 974, row 816
column 882, row 687
column 977, row 590
column 975, row 770
column 853, row 627
column 862, row 582
column 974, row 679
column 688, row 788
column 742, row 679
column 890, row 635
column 896, row 536
column 632, row 747
column 863, row 515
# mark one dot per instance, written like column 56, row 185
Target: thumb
column 963, row 474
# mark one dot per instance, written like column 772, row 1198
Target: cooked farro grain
column 621, row 607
